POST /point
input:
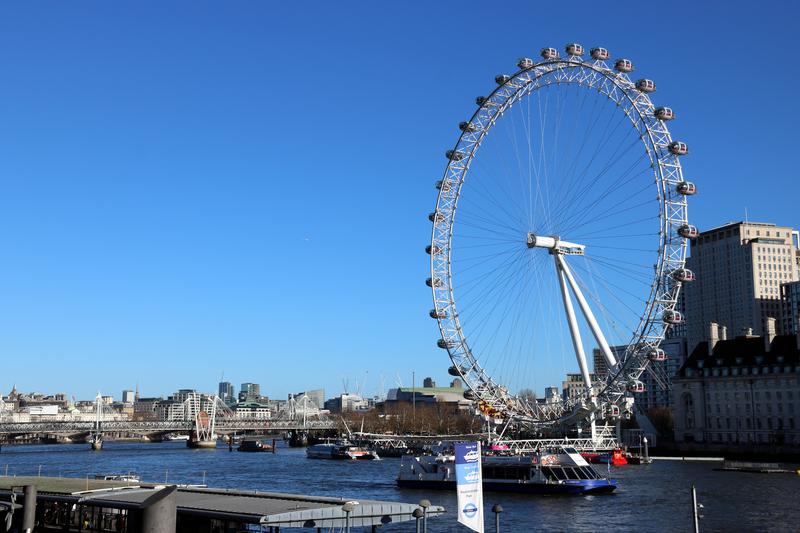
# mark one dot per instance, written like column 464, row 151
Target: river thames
column 649, row 498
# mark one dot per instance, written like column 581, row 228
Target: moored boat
column 254, row 445
column 563, row 471
column 340, row 450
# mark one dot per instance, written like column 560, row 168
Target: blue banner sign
column 469, row 483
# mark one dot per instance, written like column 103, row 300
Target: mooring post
column 424, row 504
column 160, row 511
column 29, row 511
column 417, row 514
column 497, row 509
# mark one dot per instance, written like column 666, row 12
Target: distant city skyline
column 247, row 189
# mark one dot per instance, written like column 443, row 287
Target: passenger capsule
column 549, row 53
column 481, row 100
column 432, row 249
column 436, row 217
column 664, row 113
column 612, row 411
column 687, row 231
column 467, row 126
column 678, row 148
column 574, row 49
column 438, row 314
column 599, row 53
column 502, row 79
column 433, row 283
column 525, row 62
column 672, row 317
column 445, row 344
column 646, row 86
column 686, row 187
column 657, row 355
column 444, row 185
column 624, row 65
column 470, row 394
column 635, row 386
column 454, row 371
column 684, row 275
column 454, row 155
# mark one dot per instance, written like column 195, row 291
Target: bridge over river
column 222, row 426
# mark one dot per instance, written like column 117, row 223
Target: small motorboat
column 340, row 450
column 255, row 445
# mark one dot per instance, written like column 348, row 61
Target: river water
column 649, row 498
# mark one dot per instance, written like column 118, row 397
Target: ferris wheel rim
column 663, row 293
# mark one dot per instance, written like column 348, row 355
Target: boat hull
column 586, row 487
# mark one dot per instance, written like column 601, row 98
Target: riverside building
column 741, row 393
column 739, row 269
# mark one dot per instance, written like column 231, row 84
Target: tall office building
column 739, row 269
column 250, row 392
column 790, row 293
column 226, row 392
column 127, row 396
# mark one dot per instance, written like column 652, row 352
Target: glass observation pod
column 635, row 386
column 688, row 231
column 664, row 113
column 683, row 275
column 657, row 355
column 454, row 371
column 624, row 65
column 686, row 187
column 549, row 53
column 432, row 250
column 678, row 148
column 671, row 316
column 437, row 314
column 470, row 395
column 599, row 53
column 431, row 283
column 445, row 344
column 502, row 79
column 525, row 62
column 574, row 49
column 646, row 86
column 612, row 411
column 454, row 155
column 443, row 185
column 436, row 217
column 467, row 126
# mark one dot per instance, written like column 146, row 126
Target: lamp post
column 424, row 504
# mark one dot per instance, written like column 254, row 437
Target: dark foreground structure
column 68, row 504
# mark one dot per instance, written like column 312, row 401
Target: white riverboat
column 340, row 450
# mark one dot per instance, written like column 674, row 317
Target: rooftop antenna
column 745, row 214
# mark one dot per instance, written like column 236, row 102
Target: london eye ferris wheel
column 560, row 227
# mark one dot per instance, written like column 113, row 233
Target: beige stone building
column 739, row 270
column 740, row 394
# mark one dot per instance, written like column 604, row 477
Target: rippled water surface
column 649, row 498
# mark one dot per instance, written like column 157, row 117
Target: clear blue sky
column 193, row 187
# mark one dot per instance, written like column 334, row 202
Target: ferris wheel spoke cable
column 606, row 138
column 566, row 185
column 485, row 224
column 629, row 273
column 501, row 270
column 579, row 215
column 625, row 224
column 579, row 196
